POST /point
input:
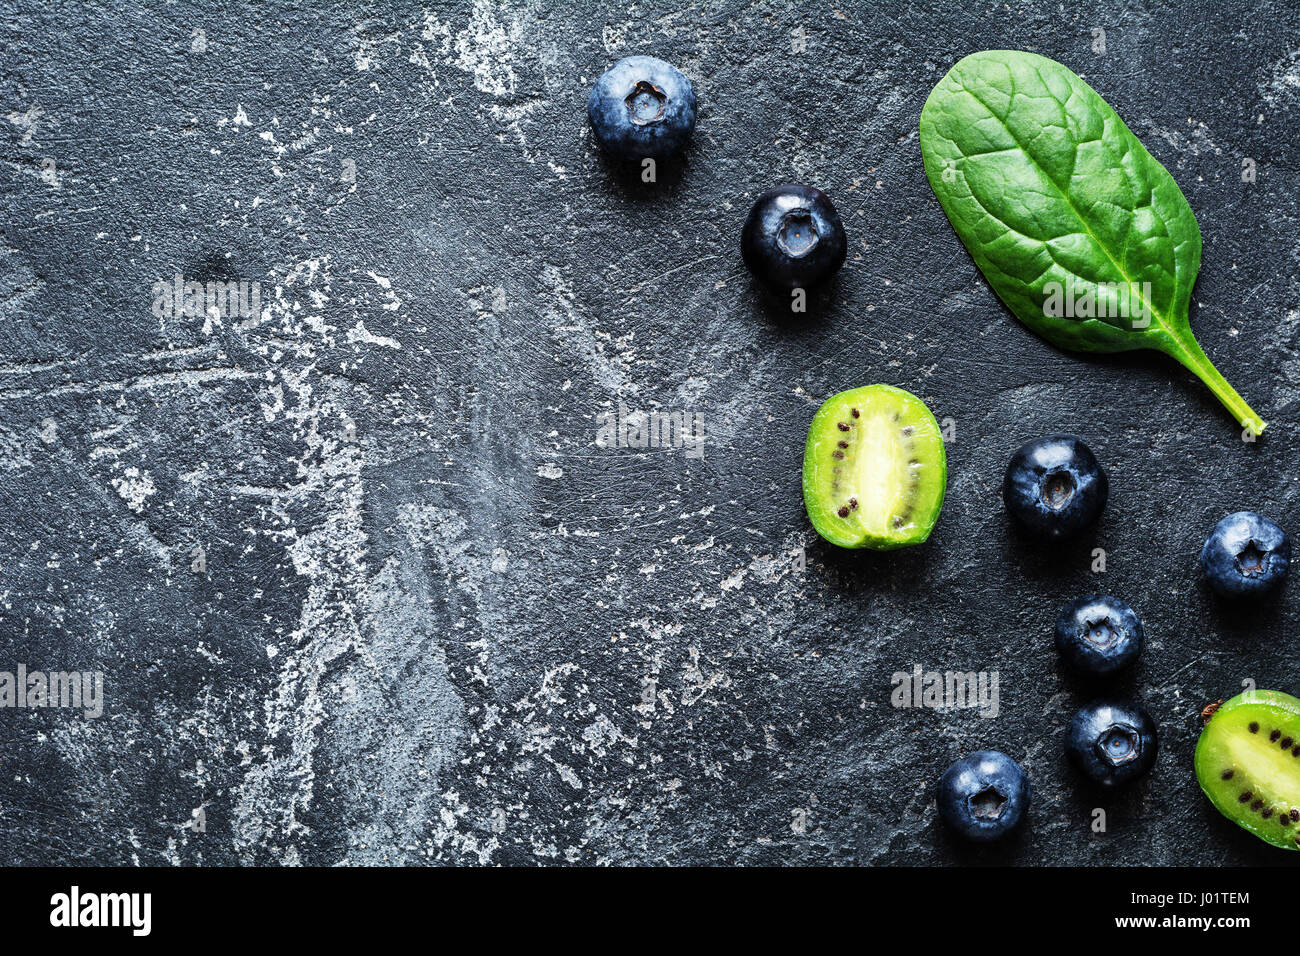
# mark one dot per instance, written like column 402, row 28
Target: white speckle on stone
column 26, row 121
column 733, row 580
column 134, row 486
column 1284, row 79
column 486, row 49
column 568, row 776
column 359, row 333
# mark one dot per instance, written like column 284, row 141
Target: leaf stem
column 1190, row 354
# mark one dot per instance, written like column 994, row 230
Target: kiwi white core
column 882, row 480
column 1259, row 764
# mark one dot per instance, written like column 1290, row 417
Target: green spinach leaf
column 1078, row 229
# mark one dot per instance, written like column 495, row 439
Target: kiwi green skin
column 1207, row 771
column 822, row 513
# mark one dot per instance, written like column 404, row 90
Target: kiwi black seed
column 1252, row 778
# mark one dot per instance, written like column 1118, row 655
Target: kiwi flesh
column 874, row 469
column 1248, row 764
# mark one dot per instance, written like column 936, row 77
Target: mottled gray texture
column 439, row 624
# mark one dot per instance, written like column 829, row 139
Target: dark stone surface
column 437, row 623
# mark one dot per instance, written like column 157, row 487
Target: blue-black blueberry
column 1054, row 486
column 1112, row 742
column 793, row 238
column 642, row 107
column 1245, row 556
column 1098, row 635
column 983, row 796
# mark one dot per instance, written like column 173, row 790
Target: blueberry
column 1098, row 635
column 983, row 796
column 1246, row 555
column 1054, row 486
column 642, row 107
column 793, row 238
column 1112, row 742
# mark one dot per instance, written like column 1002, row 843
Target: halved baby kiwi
column 1248, row 764
column 874, row 469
